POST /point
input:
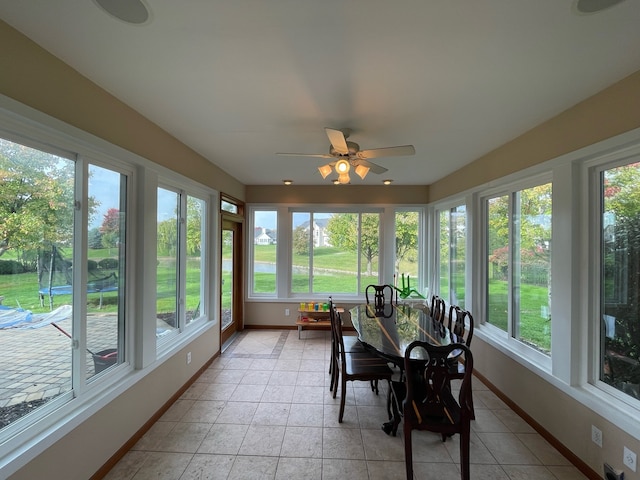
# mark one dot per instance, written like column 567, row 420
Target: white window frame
column 434, row 284
column 284, row 246
column 26, row 438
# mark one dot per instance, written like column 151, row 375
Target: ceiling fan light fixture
column 362, row 171
column 342, row 167
column 343, row 178
column 324, row 170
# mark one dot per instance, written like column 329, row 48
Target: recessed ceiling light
column 129, row 11
column 387, row 182
column 594, row 6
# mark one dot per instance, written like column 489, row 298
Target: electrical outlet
column 596, row 435
column 188, row 358
column 286, row 312
column 629, row 459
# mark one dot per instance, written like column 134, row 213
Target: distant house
column 320, row 233
column 264, row 236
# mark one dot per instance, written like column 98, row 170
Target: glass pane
column 445, row 255
column 620, row 260
column 458, row 236
column 369, row 252
column 228, row 207
column 406, row 263
column 498, row 261
column 265, row 237
column 301, row 239
column 195, row 226
column 335, row 253
column 334, row 260
column 36, row 254
column 532, row 267
column 106, row 233
column 167, row 262
column 227, row 277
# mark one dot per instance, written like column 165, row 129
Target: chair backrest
column 461, row 324
column 336, row 328
column 381, row 294
column 438, row 308
column 429, row 402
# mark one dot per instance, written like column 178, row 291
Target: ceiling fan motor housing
column 352, row 146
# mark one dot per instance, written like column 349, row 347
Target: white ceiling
column 239, row 80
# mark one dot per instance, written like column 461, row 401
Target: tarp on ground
column 19, row 318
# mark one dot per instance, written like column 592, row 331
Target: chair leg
column 465, row 474
column 465, row 435
column 374, row 386
column 408, row 454
column 343, row 394
column 333, row 370
column 335, row 383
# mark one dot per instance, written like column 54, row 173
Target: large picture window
column 180, row 262
column 334, row 252
column 407, row 259
column 518, row 265
column 46, row 199
column 263, row 252
column 620, row 278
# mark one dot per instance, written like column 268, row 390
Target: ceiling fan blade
column 387, row 152
column 371, row 166
column 317, row 155
column 338, row 140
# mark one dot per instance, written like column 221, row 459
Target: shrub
column 11, row 267
column 93, row 265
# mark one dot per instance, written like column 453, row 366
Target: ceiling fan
column 348, row 154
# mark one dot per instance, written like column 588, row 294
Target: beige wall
column 611, row 112
column 614, row 111
column 341, row 195
column 35, row 78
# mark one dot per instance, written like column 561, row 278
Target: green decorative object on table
column 406, row 290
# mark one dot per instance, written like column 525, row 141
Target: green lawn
column 534, row 328
column 22, row 289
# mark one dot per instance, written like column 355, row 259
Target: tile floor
column 263, row 410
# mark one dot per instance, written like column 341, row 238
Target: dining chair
column 382, row 294
column 461, row 324
column 430, row 404
column 355, row 366
column 351, row 345
column 438, row 308
column 461, row 330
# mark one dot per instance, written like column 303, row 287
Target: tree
column 94, row 238
column 621, row 250
column 194, row 226
column 36, row 198
column 406, row 237
column 301, row 241
column 343, row 233
column 167, row 237
column 110, row 228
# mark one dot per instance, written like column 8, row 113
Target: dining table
column 389, row 329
